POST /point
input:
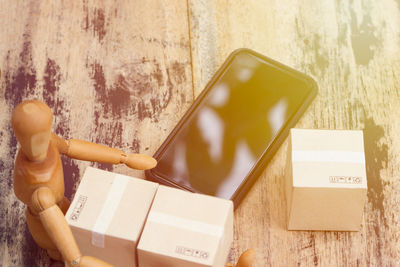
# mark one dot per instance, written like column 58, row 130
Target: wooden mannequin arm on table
column 53, row 220
column 83, row 150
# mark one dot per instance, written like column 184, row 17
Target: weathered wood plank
column 352, row 49
column 113, row 72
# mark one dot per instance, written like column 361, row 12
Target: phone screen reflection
column 221, row 141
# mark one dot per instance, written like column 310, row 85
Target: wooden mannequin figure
column 39, row 180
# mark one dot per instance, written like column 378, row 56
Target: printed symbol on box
column 204, row 255
column 178, row 250
column 192, row 252
column 196, row 253
column 345, row 179
column 188, row 252
column 80, row 204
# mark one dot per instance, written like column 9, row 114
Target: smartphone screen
column 233, row 124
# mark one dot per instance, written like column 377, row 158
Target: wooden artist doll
column 39, row 180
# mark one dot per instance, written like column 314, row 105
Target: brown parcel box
column 326, row 182
column 108, row 213
column 186, row 229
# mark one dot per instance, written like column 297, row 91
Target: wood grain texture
column 122, row 73
column 352, row 50
column 113, row 72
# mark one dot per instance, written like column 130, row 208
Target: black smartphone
column 234, row 127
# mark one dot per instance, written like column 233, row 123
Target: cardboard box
column 186, row 229
column 108, row 213
column 326, row 182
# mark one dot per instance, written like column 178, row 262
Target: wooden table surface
column 122, row 73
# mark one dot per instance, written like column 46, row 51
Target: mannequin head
column 31, row 122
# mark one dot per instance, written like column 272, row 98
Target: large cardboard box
column 108, row 213
column 186, row 229
column 326, row 182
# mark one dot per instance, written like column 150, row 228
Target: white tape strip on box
column 328, row 156
column 191, row 225
column 109, row 207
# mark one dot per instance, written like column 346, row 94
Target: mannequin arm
column 53, row 220
column 245, row 260
column 83, row 150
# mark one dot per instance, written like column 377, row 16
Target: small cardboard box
column 326, row 182
column 186, row 229
column 108, row 213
